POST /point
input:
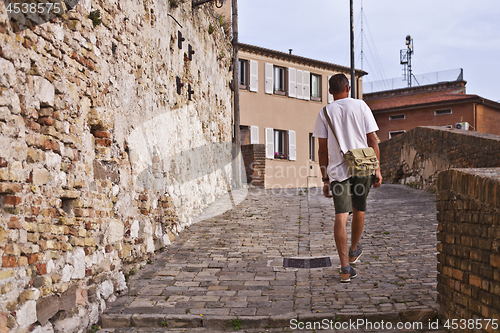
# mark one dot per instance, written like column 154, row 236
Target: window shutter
column 292, row 82
column 306, row 83
column 254, row 135
column 269, row 79
column 269, row 143
column 254, row 75
column 292, row 147
column 299, row 92
column 330, row 96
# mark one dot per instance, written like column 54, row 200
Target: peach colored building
column 280, row 97
column 443, row 104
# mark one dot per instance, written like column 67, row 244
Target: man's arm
column 323, row 164
column 372, row 142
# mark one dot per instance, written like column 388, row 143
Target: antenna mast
column 405, row 59
column 362, row 35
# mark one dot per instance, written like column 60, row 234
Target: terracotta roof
column 395, row 102
column 298, row 59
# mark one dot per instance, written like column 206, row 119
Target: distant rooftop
column 419, row 80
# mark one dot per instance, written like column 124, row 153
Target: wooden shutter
column 292, row 82
column 268, row 87
column 330, row 96
column 254, row 135
column 254, row 75
column 292, row 147
column 306, row 84
column 299, row 92
column 270, row 143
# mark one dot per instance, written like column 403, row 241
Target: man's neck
column 340, row 96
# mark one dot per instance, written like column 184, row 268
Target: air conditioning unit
column 463, row 126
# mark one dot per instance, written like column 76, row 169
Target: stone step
column 163, row 323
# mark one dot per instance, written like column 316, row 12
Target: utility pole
column 236, row 97
column 353, row 77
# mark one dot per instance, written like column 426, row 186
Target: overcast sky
column 447, row 34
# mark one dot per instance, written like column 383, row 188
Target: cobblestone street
column 227, row 272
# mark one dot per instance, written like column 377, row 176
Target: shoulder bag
column 362, row 162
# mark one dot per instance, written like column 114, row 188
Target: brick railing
column 417, row 156
column 254, row 157
column 469, row 245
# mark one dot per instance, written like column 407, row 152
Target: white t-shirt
column 352, row 120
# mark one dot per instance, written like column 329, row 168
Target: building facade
column 443, row 104
column 280, row 97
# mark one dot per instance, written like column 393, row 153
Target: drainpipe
column 475, row 114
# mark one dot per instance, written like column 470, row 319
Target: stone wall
column 469, row 245
column 104, row 158
column 416, row 157
column 254, row 157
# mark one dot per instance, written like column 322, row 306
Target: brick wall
column 416, row 157
column 254, row 157
column 469, row 244
column 101, row 157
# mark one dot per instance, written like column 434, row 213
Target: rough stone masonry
column 113, row 136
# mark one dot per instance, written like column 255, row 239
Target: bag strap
column 331, row 127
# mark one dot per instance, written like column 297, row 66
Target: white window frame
column 243, row 72
column 441, row 112
column 281, row 72
column 397, row 117
column 316, row 98
column 391, row 133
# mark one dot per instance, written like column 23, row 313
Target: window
column 279, row 80
column 311, row 147
column 316, row 87
column 280, row 144
column 395, row 133
column 442, row 112
column 249, row 135
column 397, row 117
column 243, row 74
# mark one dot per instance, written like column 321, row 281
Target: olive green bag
column 362, row 162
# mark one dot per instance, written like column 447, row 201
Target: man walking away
column 355, row 127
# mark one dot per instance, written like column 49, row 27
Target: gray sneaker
column 347, row 273
column 354, row 255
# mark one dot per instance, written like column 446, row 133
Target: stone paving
column 227, row 270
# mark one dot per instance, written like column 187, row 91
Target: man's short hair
column 338, row 82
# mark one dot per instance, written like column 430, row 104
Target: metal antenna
column 362, row 35
column 405, row 59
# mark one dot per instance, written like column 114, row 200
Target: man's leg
column 360, row 190
column 358, row 221
column 340, row 235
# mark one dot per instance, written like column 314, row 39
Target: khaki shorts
column 351, row 193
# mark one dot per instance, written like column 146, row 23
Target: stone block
column 12, row 200
column 44, row 91
column 9, row 188
column 26, row 315
column 40, row 176
column 116, row 320
column 9, row 261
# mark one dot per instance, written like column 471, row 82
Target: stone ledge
column 112, row 321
